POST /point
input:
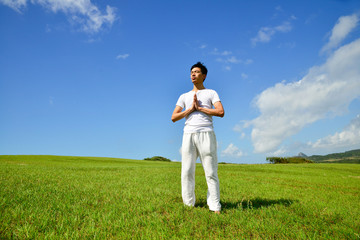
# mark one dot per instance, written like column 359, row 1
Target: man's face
column 197, row 76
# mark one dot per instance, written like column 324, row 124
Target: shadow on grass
column 254, row 203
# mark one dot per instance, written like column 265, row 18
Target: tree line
column 276, row 160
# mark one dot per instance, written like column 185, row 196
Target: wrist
column 189, row 111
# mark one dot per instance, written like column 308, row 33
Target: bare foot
column 217, row 212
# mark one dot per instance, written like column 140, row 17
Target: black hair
column 201, row 66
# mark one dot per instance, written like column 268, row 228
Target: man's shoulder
column 211, row 94
column 187, row 93
column 209, row 91
column 185, row 96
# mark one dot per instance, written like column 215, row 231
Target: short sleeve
column 181, row 102
column 215, row 98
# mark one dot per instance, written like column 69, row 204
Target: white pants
column 203, row 145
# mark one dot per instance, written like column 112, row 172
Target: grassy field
column 56, row 197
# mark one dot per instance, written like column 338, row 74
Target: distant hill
column 303, row 155
column 352, row 156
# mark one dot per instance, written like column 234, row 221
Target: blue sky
column 101, row 78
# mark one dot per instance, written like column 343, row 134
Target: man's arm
column 179, row 114
column 218, row 111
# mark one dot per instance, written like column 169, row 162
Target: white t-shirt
column 198, row 121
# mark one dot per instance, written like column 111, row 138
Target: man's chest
column 204, row 100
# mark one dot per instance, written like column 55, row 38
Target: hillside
column 352, row 156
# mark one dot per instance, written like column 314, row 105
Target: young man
column 199, row 139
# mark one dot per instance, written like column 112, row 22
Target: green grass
column 57, row 197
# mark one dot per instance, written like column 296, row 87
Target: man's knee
column 187, row 174
column 212, row 177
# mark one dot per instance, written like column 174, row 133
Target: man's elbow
column 222, row 113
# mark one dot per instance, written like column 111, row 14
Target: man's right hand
column 195, row 104
column 179, row 114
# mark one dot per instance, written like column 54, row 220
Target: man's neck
column 198, row 87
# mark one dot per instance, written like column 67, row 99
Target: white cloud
column 228, row 58
column 223, row 53
column 226, row 53
column 242, row 135
column 266, row 33
column 122, row 56
column 278, row 11
column 232, row 151
column 244, row 75
column 325, row 91
column 17, row 5
column 279, row 8
column 227, row 68
column 234, row 60
column 248, row 61
column 342, row 28
column 241, row 126
column 82, row 13
column 349, row 137
column 231, row 59
column 279, row 152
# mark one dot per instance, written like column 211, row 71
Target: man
column 199, row 139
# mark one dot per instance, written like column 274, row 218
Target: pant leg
column 189, row 154
column 208, row 154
